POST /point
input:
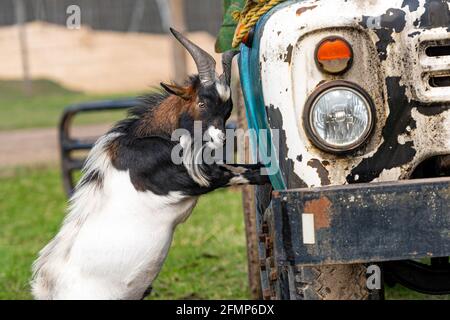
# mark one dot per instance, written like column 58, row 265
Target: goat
column 123, row 213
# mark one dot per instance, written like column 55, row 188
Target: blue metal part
column 254, row 104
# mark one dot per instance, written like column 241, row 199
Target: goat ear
column 176, row 90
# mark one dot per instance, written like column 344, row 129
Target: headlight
column 339, row 116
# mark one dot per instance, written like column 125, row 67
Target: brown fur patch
column 139, row 184
column 165, row 117
column 113, row 150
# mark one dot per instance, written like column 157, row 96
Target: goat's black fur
column 151, row 168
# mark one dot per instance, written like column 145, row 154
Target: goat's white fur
column 114, row 240
column 223, row 90
column 238, row 180
column 217, row 136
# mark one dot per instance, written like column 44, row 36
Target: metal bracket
column 67, row 144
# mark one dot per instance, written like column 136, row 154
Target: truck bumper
column 360, row 223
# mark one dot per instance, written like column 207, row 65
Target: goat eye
column 201, row 104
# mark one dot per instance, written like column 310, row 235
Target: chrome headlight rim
column 308, row 117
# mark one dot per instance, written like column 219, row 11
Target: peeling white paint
column 389, row 175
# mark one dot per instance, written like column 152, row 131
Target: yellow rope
column 249, row 16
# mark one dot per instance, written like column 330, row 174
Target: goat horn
column 206, row 65
column 227, row 59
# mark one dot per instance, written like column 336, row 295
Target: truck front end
column 355, row 96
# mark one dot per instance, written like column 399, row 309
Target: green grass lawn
column 207, row 259
column 44, row 107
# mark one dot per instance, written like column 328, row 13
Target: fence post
column 178, row 52
column 21, row 16
column 136, row 16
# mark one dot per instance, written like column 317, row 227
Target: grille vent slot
column 438, row 50
column 439, row 81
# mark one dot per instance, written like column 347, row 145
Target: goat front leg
column 225, row 175
column 246, row 174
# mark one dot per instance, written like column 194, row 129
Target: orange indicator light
column 334, row 55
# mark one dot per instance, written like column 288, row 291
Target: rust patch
column 302, row 10
column 321, row 210
column 288, row 57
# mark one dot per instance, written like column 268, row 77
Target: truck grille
column 434, row 64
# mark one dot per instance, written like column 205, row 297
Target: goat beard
column 193, row 159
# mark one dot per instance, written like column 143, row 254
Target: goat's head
column 209, row 95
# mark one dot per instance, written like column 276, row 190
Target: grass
column 207, row 259
column 44, row 106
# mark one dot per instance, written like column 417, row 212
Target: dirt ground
column 93, row 61
column 38, row 146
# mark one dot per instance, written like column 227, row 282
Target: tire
column 340, row 282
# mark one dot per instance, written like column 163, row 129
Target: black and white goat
column 122, row 216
